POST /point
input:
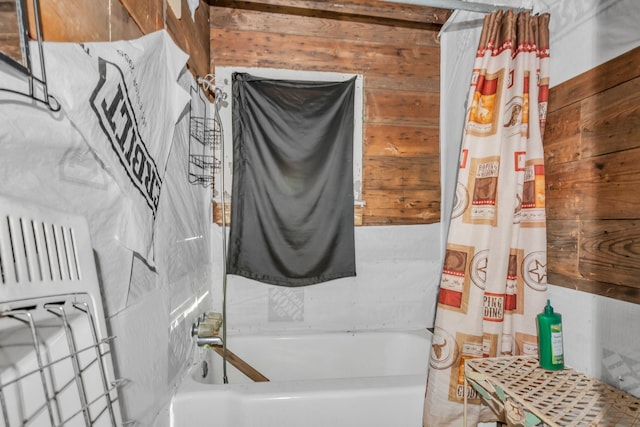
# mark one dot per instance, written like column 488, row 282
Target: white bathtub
column 332, row 379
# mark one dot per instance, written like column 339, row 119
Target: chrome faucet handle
column 194, row 328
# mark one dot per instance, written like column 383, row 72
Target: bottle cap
column 548, row 309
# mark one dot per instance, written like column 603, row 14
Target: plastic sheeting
column 44, row 158
column 100, row 154
column 51, row 164
column 123, row 97
column 398, row 270
column 587, row 33
column 154, row 346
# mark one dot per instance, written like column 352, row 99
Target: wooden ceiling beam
column 381, row 11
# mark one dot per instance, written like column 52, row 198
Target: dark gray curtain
column 292, row 196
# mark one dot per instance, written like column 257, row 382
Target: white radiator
column 55, row 361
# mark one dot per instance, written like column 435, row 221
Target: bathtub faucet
column 206, row 330
column 202, row 341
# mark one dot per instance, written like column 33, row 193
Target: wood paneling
column 393, row 14
column 401, row 107
column 192, row 36
column 400, row 62
column 123, row 26
column 592, row 158
column 609, row 120
column 562, row 135
column 400, row 173
column 147, row 14
column 601, row 187
column 9, row 33
column 398, row 140
column 73, row 20
column 217, row 213
column 110, row 20
column 253, row 20
column 562, row 249
column 619, row 70
column 609, row 251
column 276, row 50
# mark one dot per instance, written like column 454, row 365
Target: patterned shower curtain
column 493, row 281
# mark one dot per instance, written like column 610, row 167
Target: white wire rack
column 55, row 357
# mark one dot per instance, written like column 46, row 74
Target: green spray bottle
column 550, row 349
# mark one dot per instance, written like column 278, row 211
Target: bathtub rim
column 194, row 366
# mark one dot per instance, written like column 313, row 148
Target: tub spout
column 202, row 341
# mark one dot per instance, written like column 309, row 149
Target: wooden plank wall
column 110, row 20
column 592, row 162
column 399, row 57
column 9, row 35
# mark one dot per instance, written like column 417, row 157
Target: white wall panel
column 395, row 287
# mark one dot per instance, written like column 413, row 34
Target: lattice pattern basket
column 524, row 394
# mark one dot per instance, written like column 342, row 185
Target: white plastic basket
column 55, row 361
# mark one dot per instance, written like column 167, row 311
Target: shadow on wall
column 619, row 347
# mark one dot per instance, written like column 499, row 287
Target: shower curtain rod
column 461, row 5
